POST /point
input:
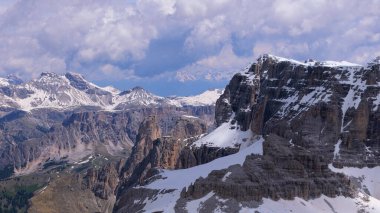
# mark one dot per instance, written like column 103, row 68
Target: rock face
column 193, row 156
column 98, row 186
column 149, row 131
column 238, row 98
column 27, row 140
column 102, row 182
column 312, row 115
column 283, row 172
column 73, row 138
column 153, row 152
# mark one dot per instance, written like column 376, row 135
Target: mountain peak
column 134, row 90
column 13, row 79
column 77, row 80
column 74, row 75
column 138, row 88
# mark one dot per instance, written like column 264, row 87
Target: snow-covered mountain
column 205, row 98
column 71, row 90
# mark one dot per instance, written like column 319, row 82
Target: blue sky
column 178, row 47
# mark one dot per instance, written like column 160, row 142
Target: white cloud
column 90, row 35
column 281, row 48
column 111, row 72
column 208, row 33
column 218, row 67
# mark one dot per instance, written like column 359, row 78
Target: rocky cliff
column 29, row 139
column 313, row 117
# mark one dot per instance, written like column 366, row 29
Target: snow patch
column 319, row 94
column 353, row 97
column 195, row 205
column 224, row 136
column 178, row 179
column 226, row 176
column 376, row 103
column 369, row 177
column 319, row 205
column 337, row 149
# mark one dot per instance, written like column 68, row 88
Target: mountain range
column 283, row 136
column 71, row 90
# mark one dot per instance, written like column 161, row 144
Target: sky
column 179, row 47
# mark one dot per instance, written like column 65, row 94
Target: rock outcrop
column 149, row 131
column 153, row 152
column 102, row 182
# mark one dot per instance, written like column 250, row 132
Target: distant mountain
column 71, row 90
column 205, row 98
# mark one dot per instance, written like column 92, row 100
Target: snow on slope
column 71, row 90
column 313, row 63
column 137, row 96
column 178, row 179
column 376, row 102
column 55, row 91
column 369, row 177
column 362, row 203
column 111, row 89
column 208, row 97
column 226, row 135
column 4, row 82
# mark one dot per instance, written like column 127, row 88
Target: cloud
column 218, row 67
column 212, row 38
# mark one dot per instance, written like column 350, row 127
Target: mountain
column 297, row 136
column 283, row 135
column 72, row 91
column 65, row 118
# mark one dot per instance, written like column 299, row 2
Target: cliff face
column 149, row 131
column 153, row 152
column 312, row 116
column 314, row 105
column 28, row 139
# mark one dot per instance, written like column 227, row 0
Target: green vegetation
column 6, row 172
column 15, row 192
column 16, row 200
